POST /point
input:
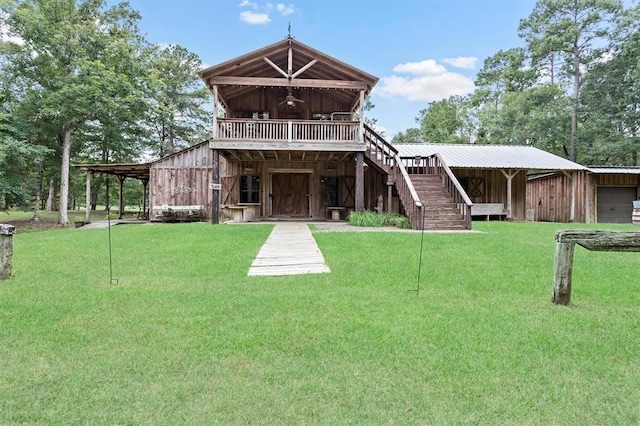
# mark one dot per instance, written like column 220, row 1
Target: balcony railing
column 239, row 129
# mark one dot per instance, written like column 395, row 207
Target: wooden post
column 121, row 207
column 214, row 123
column 591, row 240
column 359, row 182
column 145, row 188
column 87, row 215
column 563, row 268
column 6, row 249
column 509, row 176
column 215, row 196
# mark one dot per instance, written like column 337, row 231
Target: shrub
column 371, row 218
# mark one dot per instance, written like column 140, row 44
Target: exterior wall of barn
column 549, row 197
column 313, row 186
column 183, row 179
column 490, row 186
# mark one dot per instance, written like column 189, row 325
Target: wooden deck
column 289, row 250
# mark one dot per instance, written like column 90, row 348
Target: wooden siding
column 550, row 197
column 375, row 183
column 490, row 186
column 183, row 179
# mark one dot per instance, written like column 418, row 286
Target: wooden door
column 290, row 194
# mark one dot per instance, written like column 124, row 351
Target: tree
column 444, row 121
column 504, row 72
column 76, row 60
column 411, row 135
column 570, row 29
column 177, row 97
column 611, row 99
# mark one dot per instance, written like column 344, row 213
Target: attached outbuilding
column 605, row 195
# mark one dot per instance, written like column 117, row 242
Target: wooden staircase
column 441, row 212
column 431, row 196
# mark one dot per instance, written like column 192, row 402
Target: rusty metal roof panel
column 490, row 156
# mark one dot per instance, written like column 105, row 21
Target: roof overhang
column 128, row 170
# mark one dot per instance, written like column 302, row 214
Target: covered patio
column 122, row 172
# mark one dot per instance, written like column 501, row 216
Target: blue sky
column 422, row 50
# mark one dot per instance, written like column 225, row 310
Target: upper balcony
column 295, row 135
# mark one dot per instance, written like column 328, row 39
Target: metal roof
column 615, row 170
column 490, row 156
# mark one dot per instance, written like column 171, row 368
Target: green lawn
column 185, row 337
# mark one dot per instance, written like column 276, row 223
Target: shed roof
column 490, row 156
column 615, row 170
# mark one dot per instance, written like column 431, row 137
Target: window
column 250, row 189
column 330, row 192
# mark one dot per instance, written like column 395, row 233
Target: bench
column 488, row 209
column 335, row 212
column 166, row 212
column 247, row 212
column 591, row 240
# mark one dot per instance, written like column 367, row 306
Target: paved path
column 289, row 250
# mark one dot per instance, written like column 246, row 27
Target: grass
column 370, row 218
column 186, row 337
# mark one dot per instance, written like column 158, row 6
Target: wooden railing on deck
column 435, row 165
column 287, row 130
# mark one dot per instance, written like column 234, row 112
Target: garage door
column 615, row 205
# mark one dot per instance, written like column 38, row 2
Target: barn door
column 290, row 194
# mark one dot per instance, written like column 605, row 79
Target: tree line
column 78, row 81
column 572, row 90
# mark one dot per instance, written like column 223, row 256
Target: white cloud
column 464, row 62
column 427, row 67
column 254, row 18
column 247, row 3
column 429, row 82
column 285, row 9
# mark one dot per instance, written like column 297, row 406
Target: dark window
column 250, row 189
column 330, row 192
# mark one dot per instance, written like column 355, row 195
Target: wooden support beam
column 87, row 213
column 121, row 206
column 215, row 196
column 284, row 82
column 572, row 209
column 275, row 67
column 509, row 175
column 303, row 69
column 346, row 154
column 591, row 240
column 359, row 182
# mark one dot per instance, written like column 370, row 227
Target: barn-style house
column 289, row 141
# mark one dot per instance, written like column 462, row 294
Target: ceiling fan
column 290, row 99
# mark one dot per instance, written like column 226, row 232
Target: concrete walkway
column 289, row 250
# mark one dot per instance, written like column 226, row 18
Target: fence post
column 6, row 249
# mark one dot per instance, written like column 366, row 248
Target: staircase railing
column 379, row 150
column 385, row 156
column 407, row 193
column 435, row 165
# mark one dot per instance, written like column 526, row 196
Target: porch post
column 361, row 113
column 215, row 198
column 145, row 187
column 121, row 207
column 359, row 181
column 509, row 175
column 87, row 215
column 214, row 130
